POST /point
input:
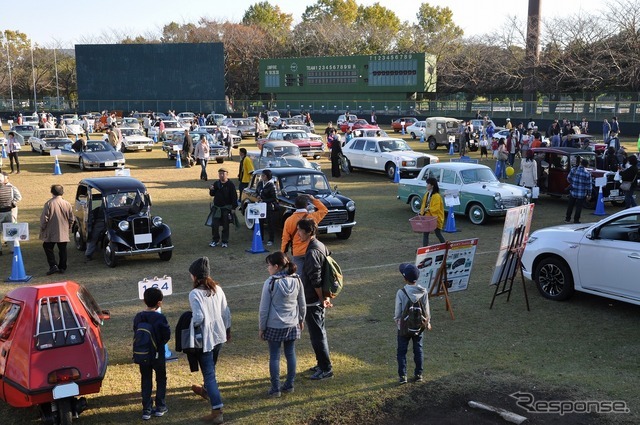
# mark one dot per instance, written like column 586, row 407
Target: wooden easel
column 439, row 286
column 512, row 259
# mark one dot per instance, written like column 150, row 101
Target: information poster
column 517, row 225
column 257, row 210
column 15, row 231
column 458, row 260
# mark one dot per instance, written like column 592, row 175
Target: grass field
column 583, row 349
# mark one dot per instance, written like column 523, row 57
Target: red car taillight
column 63, row 375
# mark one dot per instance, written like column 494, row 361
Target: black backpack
column 414, row 317
column 145, row 349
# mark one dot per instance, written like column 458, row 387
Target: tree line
column 592, row 52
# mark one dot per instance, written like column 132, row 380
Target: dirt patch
column 445, row 402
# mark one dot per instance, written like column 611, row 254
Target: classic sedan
column 242, row 127
column 170, row 127
column 133, row 139
column 26, row 131
column 307, row 146
column 217, row 151
column 385, row 154
column 280, row 154
column 481, row 194
column 584, row 257
column 98, row 155
column 130, row 122
column 73, row 127
column 215, row 131
column 356, row 125
column 291, row 182
column 397, row 123
column 45, row 139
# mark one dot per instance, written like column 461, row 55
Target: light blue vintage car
column 481, row 194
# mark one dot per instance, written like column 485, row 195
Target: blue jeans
column 203, row 165
column 403, row 346
column 274, row 363
column 628, row 199
column 207, row 362
column 318, row 335
column 146, row 384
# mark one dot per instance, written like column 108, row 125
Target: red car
column 397, row 123
column 356, row 125
column 51, row 349
column 308, row 147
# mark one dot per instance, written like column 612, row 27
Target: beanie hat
column 200, row 268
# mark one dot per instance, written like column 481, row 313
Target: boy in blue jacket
column 161, row 334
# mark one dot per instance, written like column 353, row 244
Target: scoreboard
column 402, row 72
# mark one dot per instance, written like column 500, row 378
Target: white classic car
column 384, row 154
column 280, row 154
column 481, row 194
column 45, row 139
column 73, row 127
column 600, row 258
column 170, row 127
column 133, row 139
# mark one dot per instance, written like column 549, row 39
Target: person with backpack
column 210, row 313
column 412, row 317
column 316, row 300
column 151, row 332
column 281, row 318
column 307, row 206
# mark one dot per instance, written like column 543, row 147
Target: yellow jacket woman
column 433, row 206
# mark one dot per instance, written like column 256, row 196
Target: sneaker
column 53, row 270
column 314, row 369
column 225, row 245
column 417, row 378
column 402, row 380
column 567, row 221
column 274, row 393
column 269, row 243
column 321, row 375
column 286, row 388
column 213, row 244
column 146, row 415
column 200, row 391
column 159, row 411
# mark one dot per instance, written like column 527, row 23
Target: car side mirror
column 593, row 234
column 105, row 315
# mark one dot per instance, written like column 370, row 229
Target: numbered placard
column 55, row 152
column 162, row 283
column 177, row 148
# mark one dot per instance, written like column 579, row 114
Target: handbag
column 625, row 186
column 191, row 339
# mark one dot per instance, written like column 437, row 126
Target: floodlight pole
column 9, row 68
column 33, row 74
column 55, row 64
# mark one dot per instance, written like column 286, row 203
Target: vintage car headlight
column 157, row 221
column 497, row 197
column 351, row 206
column 123, row 225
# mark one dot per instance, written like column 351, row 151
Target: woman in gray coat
column 282, row 311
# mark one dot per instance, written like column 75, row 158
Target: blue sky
column 73, row 21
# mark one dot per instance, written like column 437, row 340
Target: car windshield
column 394, row 145
column 305, row 183
column 242, row 122
column 56, row 143
column 281, row 151
column 295, row 135
column 131, row 132
column 23, row 128
column 591, row 157
column 172, row 124
column 475, row 175
column 121, row 199
column 98, row 146
column 51, row 134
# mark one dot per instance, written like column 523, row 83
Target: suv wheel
column 553, row 278
column 433, row 145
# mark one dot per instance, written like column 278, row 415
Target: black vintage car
column 129, row 228
column 291, row 182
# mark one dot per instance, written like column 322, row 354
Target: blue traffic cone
column 56, row 168
column 256, row 245
column 450, row 227
column 451, row 152
column 600, row 204
column 4, row 152
column 178, row 160
column 396, row 175
column 17, row 266
column 498, row 171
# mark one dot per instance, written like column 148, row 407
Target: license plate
column 334, row 228
column 614, row 192
column 65, row 390
column 140, row 147
column 108, row 164
column 142, row 238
